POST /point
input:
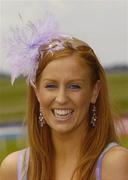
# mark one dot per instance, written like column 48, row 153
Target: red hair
column 41, row 147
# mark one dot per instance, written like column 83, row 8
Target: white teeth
column 62, row 112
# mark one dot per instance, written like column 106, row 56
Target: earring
column 94, row 116
column 41, row 119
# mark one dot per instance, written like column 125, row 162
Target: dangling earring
column 41, row 119
column 94, row 116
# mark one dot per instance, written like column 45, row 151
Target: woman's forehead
column 74, row 66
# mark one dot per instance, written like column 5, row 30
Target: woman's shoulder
column 115, row 164
column 116, row 154
column 8, row 166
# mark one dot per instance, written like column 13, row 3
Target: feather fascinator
column 23, row 44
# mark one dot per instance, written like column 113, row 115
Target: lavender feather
column 22, row 47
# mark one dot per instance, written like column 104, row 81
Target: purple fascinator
column 23, row 45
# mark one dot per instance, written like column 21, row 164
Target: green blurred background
column 13, row 106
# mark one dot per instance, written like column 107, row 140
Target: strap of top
column 22, row 167
column 99, row 162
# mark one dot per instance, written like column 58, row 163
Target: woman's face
column 65, row 93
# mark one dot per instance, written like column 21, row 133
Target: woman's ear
column 96, row 90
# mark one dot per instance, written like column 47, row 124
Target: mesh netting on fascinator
column 23, row 45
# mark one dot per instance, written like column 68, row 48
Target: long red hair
column 41, row 146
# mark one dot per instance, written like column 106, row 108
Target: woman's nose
column 61, row 96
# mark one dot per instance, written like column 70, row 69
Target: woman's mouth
column 62, row 114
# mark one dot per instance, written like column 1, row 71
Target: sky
column 103, row 24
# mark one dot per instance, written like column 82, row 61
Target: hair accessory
column 41, row 119
column 22, row 48
column 94, row 116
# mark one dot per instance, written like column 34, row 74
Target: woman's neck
column 67, row 152
column 68, row 145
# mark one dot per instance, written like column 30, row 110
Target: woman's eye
column 50, row 86
column 74, row 86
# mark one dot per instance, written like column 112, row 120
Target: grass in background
column 118, row 90
column 11, row 146
column 12, row 100
column 124, row 141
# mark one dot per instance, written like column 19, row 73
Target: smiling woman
column 70, row 124
column 65, row 99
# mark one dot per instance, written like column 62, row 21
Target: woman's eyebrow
column 70, row 80
column 77, row 80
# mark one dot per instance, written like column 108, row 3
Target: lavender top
column 99, row 162
column 23, row 160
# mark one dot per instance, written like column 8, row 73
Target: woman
column 70, row 125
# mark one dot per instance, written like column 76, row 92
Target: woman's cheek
column 46, row 98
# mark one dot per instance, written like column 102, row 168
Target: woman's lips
column 62, row 114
